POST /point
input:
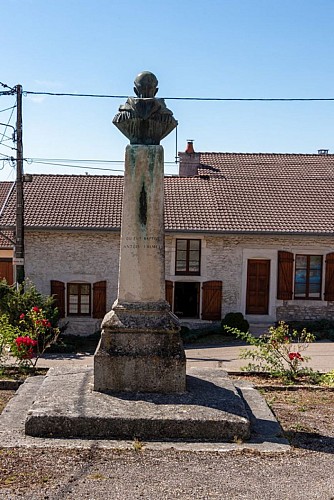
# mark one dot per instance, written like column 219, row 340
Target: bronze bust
column 145, row 119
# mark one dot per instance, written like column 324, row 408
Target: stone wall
column 224, row 257
column 76, row 256
column 91, row 256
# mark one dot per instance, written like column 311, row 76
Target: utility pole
column 19, row 247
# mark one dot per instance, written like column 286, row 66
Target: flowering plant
column 278, row 351
column 36, row 335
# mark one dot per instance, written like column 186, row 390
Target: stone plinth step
column 67, row 406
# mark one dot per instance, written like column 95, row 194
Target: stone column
column 140, row 347
column 142, row 253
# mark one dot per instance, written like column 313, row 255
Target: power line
column 263, row 99
column 6, row 126
column 76, row 160
column 7, row 109
column 77, row 166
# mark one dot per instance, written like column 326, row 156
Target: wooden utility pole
column 19, row 247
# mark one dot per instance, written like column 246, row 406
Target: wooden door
column 212, row 300
column 257, row 297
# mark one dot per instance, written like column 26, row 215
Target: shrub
column 28, row 323
column 234, row 320
column 322, row 328
column 278, row 352
column 15, row 301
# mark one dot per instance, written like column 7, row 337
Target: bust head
column 146, row 84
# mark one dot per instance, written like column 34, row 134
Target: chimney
column 323, row 151
column 189, row 161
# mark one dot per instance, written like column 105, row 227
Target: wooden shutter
column 329, row 277
column 285, row 276
column 58, row 290
column 212, row 300
column 169, row 285
column 99, row 299
column 6, row 270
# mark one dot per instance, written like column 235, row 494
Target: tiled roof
column 69, row 201
column 234, row 192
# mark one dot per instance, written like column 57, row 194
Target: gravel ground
column 304, row 473
column 97, row 474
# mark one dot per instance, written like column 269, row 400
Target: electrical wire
column 265, row 99
column 6, row 126
column 7, row 109
column 76, row 160
column 77, row 166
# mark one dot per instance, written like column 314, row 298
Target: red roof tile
column 278, row 193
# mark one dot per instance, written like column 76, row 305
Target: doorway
column 257, row 296
column 186, row 300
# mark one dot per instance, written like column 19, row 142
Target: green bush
column 322, row 328
column 28, row 323
column 278, row 352
column 234, row 320
column 16, row 301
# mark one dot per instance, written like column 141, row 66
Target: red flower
column 295, row 355
column 22, row 316
column 35, row 309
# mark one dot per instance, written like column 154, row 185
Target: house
column 244, row 232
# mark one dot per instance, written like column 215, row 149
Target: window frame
column 186, row 272
column 79, row 313
column 307, row 279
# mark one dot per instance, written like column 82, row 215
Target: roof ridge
column 263, row 154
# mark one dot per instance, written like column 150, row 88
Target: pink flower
column 35, row 309
column 22, row 316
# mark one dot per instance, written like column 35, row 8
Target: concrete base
column 67, row 406
column 140, row 350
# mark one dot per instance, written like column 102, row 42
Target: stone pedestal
column 140, row 347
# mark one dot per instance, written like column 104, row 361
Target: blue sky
column 212, row 48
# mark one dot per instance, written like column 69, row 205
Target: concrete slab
column 264, row 438
column 67, row 406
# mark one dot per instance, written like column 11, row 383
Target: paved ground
column 222, row 357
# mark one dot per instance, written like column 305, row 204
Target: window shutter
column 329, row 277
column 285, row 276
column 212, row 300
column 99, row 299
column 169, row 285
column 58, row 290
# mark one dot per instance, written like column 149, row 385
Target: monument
column 138, row 388
column 140, row 347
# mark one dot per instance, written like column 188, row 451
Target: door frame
column 265, row 311
column 260, row 254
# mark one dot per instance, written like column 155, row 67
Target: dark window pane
column 301, row 261
column 300, row 290
column 194, row 244
column 73, row 289
column 181, row 244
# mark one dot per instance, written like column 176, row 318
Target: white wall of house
column 225, row 258
column 73, row 257
column 92, row 256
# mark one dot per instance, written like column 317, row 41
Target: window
column 308, row 272
column 188, row 257
column 78, row 299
